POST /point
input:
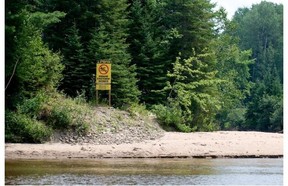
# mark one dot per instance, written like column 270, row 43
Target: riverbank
column 229, row 144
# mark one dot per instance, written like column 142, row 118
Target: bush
column 59, row 117
column 184, row 128
column 137, row 110
column 171, row 117
column 235, row 119
column 32, row 106
column 35, row 119
column 22, row 128
column 166, row 115
column 66, row 113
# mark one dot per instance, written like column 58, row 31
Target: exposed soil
column 114, row 127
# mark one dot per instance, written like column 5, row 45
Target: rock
column 114, row 130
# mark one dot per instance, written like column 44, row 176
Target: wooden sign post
column 103, row 78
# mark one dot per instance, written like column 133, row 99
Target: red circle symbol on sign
column 103, row 69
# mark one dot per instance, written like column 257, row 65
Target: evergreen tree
column 265, row 107
column 193, row 20
column 148, row 49
column 82, row 13
column 109, row 42
column 233, row 68
column 71, row 36
column 30, row 65
column 101, row 30
column 76, row 71
column 261, row 28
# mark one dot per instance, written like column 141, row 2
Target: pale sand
column 172, row 144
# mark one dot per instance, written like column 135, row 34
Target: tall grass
column 36, row 118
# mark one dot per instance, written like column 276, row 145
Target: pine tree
column 265, row 107
column 148, row 49
column 193, row 20
column 101, row 32
column 109, row 42
column 82, row 13
column 30, row 65
column 76, row 72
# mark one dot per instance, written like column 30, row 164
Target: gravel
column 112, row 126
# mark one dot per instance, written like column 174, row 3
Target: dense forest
column 183, row 60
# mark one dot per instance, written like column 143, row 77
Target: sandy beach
column 229, row 144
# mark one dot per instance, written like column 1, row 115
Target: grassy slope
column 55, row 117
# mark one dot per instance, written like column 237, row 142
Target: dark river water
column 145, row 171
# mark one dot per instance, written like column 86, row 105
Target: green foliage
column 32, row 71
column 194, row 100
column 30, row 65
column 59, row 117
column 31, row 107
column 76, row 71
column 235, row 119
column 193, row 20
column 227, row 75
column 92, row 31
column 277, row 115
column 65, row 113
column 108, row 41
column 22, row 128
column 261, row 29
column 265, row 110
column 38, row 67
column 233, row 68
column 149, row 50
column 168, row 116
column 36, row 118
column 195, row 90
column 137, row 110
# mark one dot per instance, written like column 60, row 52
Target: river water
column 145, row 171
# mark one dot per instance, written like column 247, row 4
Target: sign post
column 103, row 78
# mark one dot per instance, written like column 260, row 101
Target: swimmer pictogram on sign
column 103, row 69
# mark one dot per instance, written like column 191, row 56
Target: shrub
column 22, row 128
column 66, row 113
column 35, row 118
column 59, row 117
column 235, row 119
column 33, row 105
column 184, row 128
column 170, row 117
column 137, row 110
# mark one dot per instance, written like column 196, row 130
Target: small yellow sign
column 103, row 76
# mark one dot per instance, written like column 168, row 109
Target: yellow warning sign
column 103, row 76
